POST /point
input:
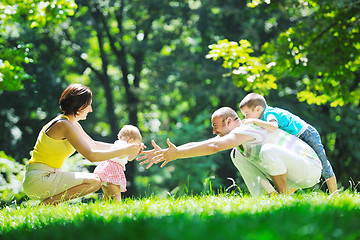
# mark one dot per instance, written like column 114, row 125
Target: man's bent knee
column 271, row 160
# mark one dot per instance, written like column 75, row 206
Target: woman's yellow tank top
column 50, row 151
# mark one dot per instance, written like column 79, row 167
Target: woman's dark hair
column 75, row 97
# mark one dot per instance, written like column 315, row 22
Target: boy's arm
column 270, row 126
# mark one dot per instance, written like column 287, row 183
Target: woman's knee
column 93, row 180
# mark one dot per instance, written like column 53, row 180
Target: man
column 258, row 154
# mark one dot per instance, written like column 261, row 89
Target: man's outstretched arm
column 197, row 149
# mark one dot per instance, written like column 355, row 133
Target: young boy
column 111, row 172
column 256, row 111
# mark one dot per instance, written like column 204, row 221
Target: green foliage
column 11, row 176
column 320, row 50
column 12, row 72
column 248, row 72
column 310, row 216
column 15, row 16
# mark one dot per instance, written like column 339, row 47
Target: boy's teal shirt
column 286, row 120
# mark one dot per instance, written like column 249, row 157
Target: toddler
column 111, row 172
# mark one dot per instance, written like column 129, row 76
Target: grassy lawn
column 303, row 216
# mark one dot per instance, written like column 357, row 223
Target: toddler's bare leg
column 116, row 192
column 107, row 193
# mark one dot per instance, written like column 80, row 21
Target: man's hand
column 159, row 155
column 149, row 155
column 167, row 155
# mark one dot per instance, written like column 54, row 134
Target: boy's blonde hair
column 130, row 132
column 252, row 100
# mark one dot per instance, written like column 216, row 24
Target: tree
column 320, row 51
column 15, row 17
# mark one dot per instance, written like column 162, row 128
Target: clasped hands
column 158, row 155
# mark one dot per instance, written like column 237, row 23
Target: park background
column 165, row 66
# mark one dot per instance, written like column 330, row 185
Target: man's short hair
column 252, row 100
column 225, row 112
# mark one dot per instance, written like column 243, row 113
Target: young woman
column 58, row 140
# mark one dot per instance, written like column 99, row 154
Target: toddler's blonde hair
column 128, row 132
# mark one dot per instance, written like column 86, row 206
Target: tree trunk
column 110, row 109
column 132, row 105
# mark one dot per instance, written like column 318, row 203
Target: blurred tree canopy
column 14, row 17
column 147, row 65
column 10, row 179
column 320, row 50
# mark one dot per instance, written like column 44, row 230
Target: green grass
column 303, row 216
